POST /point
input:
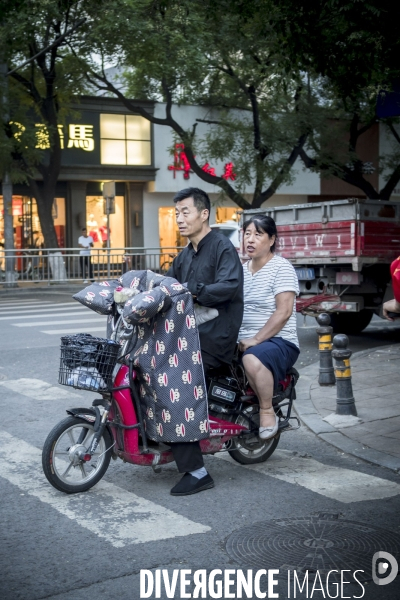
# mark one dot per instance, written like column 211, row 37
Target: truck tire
column 351, row 323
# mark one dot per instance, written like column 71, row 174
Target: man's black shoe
column 191, row 485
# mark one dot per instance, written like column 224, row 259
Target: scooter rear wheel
column 60, row 460
column 251, row 450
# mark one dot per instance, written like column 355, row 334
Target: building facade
column 103, row 141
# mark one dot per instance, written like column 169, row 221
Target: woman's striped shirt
column 260, row 289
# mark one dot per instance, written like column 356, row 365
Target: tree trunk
column 44, row 201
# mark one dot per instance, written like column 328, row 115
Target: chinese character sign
column 228, row 172
column 181, row 163
column 42, row 137
column 209, row 170
column 81, row 136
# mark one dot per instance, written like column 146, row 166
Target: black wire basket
column 87, row 362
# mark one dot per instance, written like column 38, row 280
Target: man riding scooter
column 211, row 270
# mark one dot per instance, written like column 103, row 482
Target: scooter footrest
column 289, row 426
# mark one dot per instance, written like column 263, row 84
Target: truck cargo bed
column 342, row 231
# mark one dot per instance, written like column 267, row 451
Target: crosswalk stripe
column 64, row 322
column 383, row 327
column 108, row 511
column 66, row 331
column 37, row 308
column 18, row 302
column 344, row 485
column 65, row 313
column 37, row 389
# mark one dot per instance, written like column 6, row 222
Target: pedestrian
column 85, row 242
column 35, row 246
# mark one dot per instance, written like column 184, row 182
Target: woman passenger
column 268, row 336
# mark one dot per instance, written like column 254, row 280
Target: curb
column 308, row 414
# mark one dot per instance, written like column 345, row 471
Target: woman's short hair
column 263, row 224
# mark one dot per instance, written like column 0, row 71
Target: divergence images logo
column 381, row 561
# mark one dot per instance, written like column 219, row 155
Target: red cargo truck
column 341, row 251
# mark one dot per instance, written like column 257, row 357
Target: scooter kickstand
column 154, row 465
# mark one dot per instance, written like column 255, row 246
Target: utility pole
column 9, row 249
column 109, row 208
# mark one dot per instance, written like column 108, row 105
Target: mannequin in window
column 2, row 253
column 93, row 228
column 104, row 233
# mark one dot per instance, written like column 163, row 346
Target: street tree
column 286, row 79
column 43, row 78
column 227, row 56
column 350, row 50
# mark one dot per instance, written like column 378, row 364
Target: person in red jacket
column 394, row 305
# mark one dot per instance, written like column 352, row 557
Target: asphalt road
column 94, row 545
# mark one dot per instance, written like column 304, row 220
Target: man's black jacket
column 214, row 275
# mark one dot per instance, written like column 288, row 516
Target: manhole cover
column 321, row 543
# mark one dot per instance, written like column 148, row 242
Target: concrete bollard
column 345, row 404
column 326, row 372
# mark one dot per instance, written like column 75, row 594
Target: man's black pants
column 86, row 266
column 187, row 455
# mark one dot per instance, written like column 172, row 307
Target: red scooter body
column 221, row 431
column 97, row 435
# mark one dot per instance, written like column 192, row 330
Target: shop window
column 27, row 230
column 168, row 229
column 227, row 214
column 125, row 140
column 96, row 222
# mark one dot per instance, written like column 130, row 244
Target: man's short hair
column 84, row 228
column 200, row 198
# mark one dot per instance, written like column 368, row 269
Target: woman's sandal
column 265, row 433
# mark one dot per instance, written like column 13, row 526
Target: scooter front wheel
column 61, row 461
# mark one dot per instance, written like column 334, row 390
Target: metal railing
column 58, row 265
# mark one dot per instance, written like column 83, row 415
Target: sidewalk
column 376, row 388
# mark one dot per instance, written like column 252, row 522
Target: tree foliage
column 304, row 74
column 39, row 92
column 226, row 56
column 281, row 80
column 350, row 49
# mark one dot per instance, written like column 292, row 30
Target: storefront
column 26, row 224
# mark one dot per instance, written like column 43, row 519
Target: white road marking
column 37, row 389
column 17, row 302
column 37, row 309
column 67, row 312
column 338, row 483
column 88, row 319
column 87, row 330
column 110, row 512
column 391, row 327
